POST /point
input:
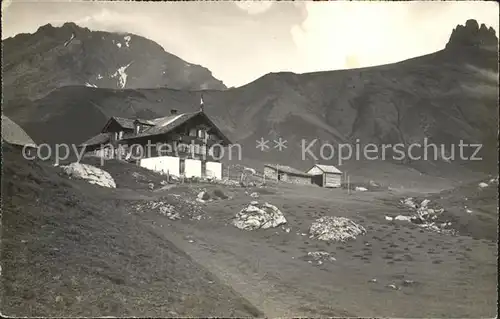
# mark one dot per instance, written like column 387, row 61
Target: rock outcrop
column 472, row 36
column 330, row 228
column 89, row 173
column 257, row 216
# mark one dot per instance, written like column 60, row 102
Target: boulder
column 330, row 228
column 249, row 170
column 203, row 196
column 259, row 216
column 89, row 173
column 402, row 218
column 360, row 189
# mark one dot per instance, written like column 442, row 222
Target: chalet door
column 317, row 179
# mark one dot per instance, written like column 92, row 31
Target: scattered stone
column 424, row 203
column 392, row 286
column 151, row 186
column 409, row 202
column 59, row 299
column 373, row 184
column 407, row 283
column 373, row 280
column 254, row 195
column 483, row 185
column 360, row 189
column 250, row 170
column 330, row 228
column 168, row 209
column 388, row 218
column 256, row 216
column 425, row 217
column 89, row 173
column 254, row 202
column 320, row 256
column 402, row 218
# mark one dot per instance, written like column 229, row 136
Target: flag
column 201, row 103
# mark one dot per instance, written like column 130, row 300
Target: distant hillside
column 35, row 64
column 447, row 96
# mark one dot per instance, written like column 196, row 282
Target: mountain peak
column 68, row 54
column 472, row 36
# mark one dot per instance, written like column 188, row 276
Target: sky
column 242, row 41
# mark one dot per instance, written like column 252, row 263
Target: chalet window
column 192, row 132
column 197, row 149
column 203, row 150
column 120, row 135
column 182, row 166
column 137, row 129
column 201, row 134
column 214, row 151
column 182, row 148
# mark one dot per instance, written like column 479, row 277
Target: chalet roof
column 124, row 122
column 99, row 139
column 287, row 170
column 328, row 168
column 14, row 134
column 146, row 122
column 166, row 124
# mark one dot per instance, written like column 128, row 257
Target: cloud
column 242, row 41
column 379, row 32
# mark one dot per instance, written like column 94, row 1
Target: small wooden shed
column 325, row 175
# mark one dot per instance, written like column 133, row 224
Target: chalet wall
column 270, row 173
column 298, row 179
column 192, row 168
column 214, row 169
column 332, row 180
column 162, row 164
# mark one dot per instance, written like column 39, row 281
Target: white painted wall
column 192, row 168
column 214, row 169
column 162, row 164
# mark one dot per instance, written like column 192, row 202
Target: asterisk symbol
column 262, row 144
column 280, row 144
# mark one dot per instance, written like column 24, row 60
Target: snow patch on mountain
column 119, row 45
column 99, row 76
column 122, row 76
column 127, row 40
column 90, row 85
column 70, row 39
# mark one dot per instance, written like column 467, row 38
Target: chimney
column 173, row 111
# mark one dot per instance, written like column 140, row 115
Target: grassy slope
column 71, row 249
